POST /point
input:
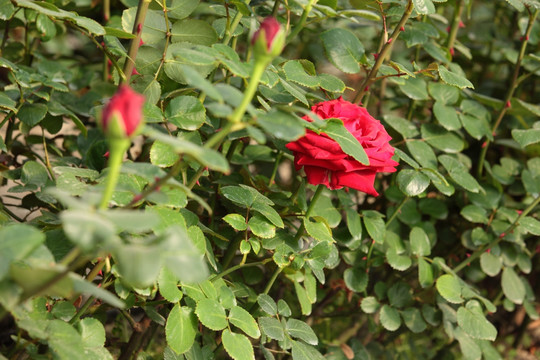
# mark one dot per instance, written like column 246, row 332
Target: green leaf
column 92, row 332
column 512, row 286
column 424, row 7
column 450, row 288
column 415, row 89
column 412, row 317
column 305, row 302
column 447, row 116
column 460, row 174
column 474, row 213
column 469, row 348
column 6, row 9
column 237, row 221
column 237, row 346
column 64, row 341
column 186, row 112
column 181, row 328
column 267, row 304
column 211, row 314
column 335, row 129
column 272, row 328
column 300, row 330
column 243, row 320
column 195, row 79
column 441, row 139
column 356, row 279
column 331, row 83
column 398, row 261
column 207, row 157
column 526, row 137
column 420, row 244
column 162, row 154
column 400, row 295
column 423, row 153
column 375, row 226
column 295, row 72
column 33, row 173
column 5, row 101
column 86, row 229
column 343, row 49
column 530, row 224
column 390, row 318
column 154, row 28
column 261, row 227
column 370, row 304
column 301, row 351
column 476, row 127
column 318, row 229
column 283, row 125
column 425, row 273
column 412, row 182
column 443, row 94
column 193, row 31
column 179, row 9
column 472, row 320
column 92, row 26
column 454, row 79
column 168, row 286
column 32, row 114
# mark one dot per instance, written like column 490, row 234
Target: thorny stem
column 142, row 9
column 513, row 85
column 486, row 247
column 455, row 25
column 370, row 79
column 230, row 29
column 302, row 21
column 275, row 9
column 167, row 40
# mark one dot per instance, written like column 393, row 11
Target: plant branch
column 511, row 89
column 455, row 26
column 302, row 21
column 142, row 9
column 370, row 79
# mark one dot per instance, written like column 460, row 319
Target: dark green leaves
column 343, row 49
column 349, row 144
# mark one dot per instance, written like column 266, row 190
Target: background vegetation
column 212, row 246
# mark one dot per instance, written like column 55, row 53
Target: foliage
column 212, row 246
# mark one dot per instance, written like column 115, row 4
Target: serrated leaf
column 272, row 328
column 460, row 174
column 513, row 288
column 472, row 320
column 343, row 49
column 348, row 143
column 412, row 317
column 454, row 79
column 301, row 351
column 267, row 304
column 243, row 320
column 531, row 225
column 300, row 330
column 295, row 72
column 181, row 328
column 425, row 273
column 420, row 244
column 412, row 182
column 390, row 318
column 211, row 314
column 450, row 288
column 370, row 304
column 168, row 286
column 318, row 229
column 237, row 221
column 424, row 7
column 356, row 279
column 237, row 346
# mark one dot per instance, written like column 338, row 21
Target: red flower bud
column 125, row 108
column 273, row 40
column 271, row 27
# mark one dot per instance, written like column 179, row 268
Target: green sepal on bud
column 269, row 40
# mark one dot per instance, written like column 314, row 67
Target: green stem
column 314, row 199
column 511, row 228
column 302, row 21
column 511, row 89
column 275, row 169
column 275, row 9
column 394, row 215
column 237, row 267
column 455, row 25
column 249, row 93
column 230, row 30
column 116, row 154
column 272, row 280
column 142, row 9
column 383, row 54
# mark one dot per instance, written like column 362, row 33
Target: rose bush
column 324, row 161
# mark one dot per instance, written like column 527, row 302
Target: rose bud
column 269, row 39
column 122, row 116
column 324, row 161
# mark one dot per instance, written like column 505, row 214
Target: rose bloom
column 126, row 105
column 325, row 163
column 271, row 27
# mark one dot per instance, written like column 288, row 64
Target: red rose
column 325, row 163
column 125, row 107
